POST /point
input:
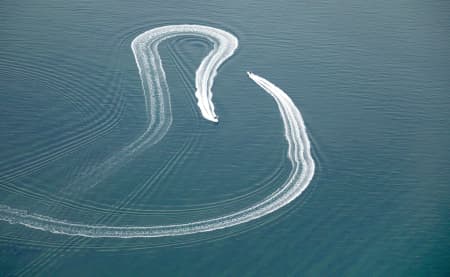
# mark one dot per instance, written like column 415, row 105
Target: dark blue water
column 371, row 80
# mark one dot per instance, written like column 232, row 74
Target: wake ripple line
column 158, row 104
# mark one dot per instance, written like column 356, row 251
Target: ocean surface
column 371, row 79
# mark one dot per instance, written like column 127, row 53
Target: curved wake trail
column 156, row 91
column 158, row 103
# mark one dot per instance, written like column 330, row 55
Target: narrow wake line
column 152, row 75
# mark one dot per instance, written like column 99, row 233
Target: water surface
column 371, row 80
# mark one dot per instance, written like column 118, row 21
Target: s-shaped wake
column 157, row 99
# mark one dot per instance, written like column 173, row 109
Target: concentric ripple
column 157, row 99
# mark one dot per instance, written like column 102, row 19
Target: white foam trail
column 156, row 91
column 145, row 49
column 298, row 153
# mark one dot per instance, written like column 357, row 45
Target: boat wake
column 157, row 100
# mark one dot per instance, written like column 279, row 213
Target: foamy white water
column 157, row 94
column 158, row 103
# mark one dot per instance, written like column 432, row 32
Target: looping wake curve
column 157, row 99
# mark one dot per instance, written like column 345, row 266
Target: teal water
column 372, row 83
